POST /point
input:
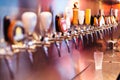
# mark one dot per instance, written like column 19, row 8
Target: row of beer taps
column 30, row 41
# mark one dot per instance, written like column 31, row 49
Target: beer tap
column 45, row 18
column 73, row 35
column 80, row 36
column 91, row 33
column 81, row 19
column 62, row 28
column 96, row 26
column 66, row 39
column 87, row 23
column 46, row 44
column 56, row 41
column 85, row 32
column 43, row 42
column 29, row 20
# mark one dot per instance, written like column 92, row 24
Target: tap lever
column 58, row 48
column 67, row 43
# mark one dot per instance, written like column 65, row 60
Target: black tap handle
column 6, row 24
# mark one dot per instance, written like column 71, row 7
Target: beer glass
column 98, row 58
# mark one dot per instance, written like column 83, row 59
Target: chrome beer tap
column 56, row 41
column 74, row 34
column 66, row 39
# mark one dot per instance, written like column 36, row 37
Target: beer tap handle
column 86, row 35
column 67, row 43
column 79, row 40
column 74, row 40
column 81, row 37
column 55, row 35
column 92, row 36
column 96, row 33
column 58, row 48
column 102, row 31
column 45, row 50
column 101, row 36
column 30, row 56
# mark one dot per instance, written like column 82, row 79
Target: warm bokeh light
column 118, row 0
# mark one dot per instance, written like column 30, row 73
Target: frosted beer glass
column 87, row 16
column 98, row 58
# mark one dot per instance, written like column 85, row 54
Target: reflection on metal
column 46, row 50
column 81, row 72
column 67, row 43
column 74, row 40
column 58, row 48
column 30, row 56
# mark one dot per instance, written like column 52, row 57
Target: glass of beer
column 98, row 58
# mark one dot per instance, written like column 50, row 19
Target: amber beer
column 87, row 16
